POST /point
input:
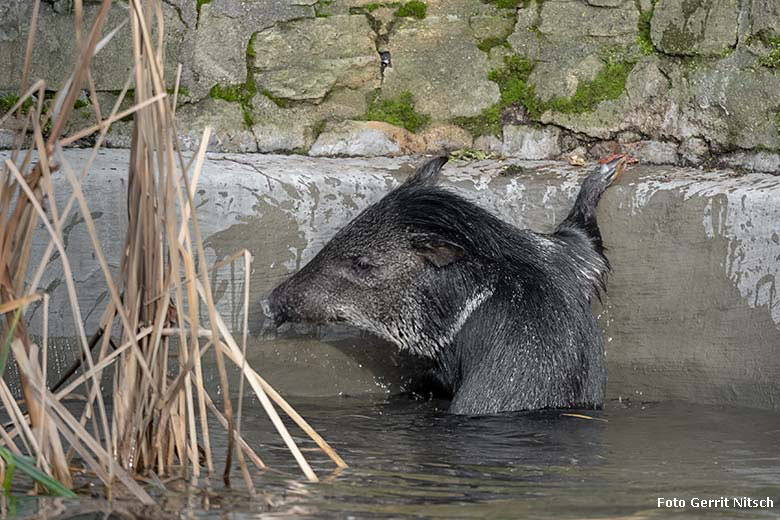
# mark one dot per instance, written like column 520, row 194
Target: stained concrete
column 691, row 313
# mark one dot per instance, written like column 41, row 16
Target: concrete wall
column 691, row 311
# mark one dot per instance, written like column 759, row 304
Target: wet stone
column 437, row 60
column 529, row 142
column 694, row 151
column 223, row 32
column 355, row 138
column 654, row 152
column 306, row 59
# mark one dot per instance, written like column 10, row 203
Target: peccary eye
column 362, row 264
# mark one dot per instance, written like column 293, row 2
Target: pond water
column 410, row 459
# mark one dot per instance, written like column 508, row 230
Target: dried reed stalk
column 159, row 421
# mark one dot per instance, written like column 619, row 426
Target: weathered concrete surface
column 692, row 310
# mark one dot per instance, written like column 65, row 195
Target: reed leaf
column 27, row 466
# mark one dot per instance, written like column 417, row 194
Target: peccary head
column 401, row 269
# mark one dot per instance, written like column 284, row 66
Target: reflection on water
column 411, row 460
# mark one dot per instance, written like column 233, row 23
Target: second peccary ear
column 438, row 252
column 429, row 172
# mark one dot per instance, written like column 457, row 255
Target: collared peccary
column 504, row 313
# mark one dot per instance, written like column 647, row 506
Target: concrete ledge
column 692, row 310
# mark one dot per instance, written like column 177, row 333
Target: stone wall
column 693, row 82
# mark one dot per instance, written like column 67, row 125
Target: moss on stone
column 488, row 122
column 241, row 94
column 8, row 102
column 322, row 8
column 509, row 4
column 772, row 59
column 608, row 84
column 643, row 40
column 515, row 89
column 488, row 43
column 280, row 102
column 412, row 9
column 512, row 81
column 183, row 91
column 398, row 111
column 231, row 93
column 318, row 128
column 680, row 39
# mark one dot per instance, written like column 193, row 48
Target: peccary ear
column 438, row 252
column 429, row 172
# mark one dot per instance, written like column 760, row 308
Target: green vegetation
column 609, row 83
column 643, row 40
column 201, row 3
column 233, row 93
column 399, row 111
column 471, row 154
column 318, row 128
column 488, row 43
column 241, row 94
column 514, row 88
column 183, row 91
column 280, row 102
column 513, row 85
column 509, row 4
column 27, row 466
column 8, row 102
column 488, row 122
column 413, row 9
column 773, row 58
column 512, row 82
column 322, row 8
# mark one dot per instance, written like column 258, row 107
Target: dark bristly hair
column 503, row 312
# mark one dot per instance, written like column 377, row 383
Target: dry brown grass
column 159, row 422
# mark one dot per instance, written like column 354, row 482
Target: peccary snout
column 306, row 296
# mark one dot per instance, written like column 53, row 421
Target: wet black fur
column 531, row 343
